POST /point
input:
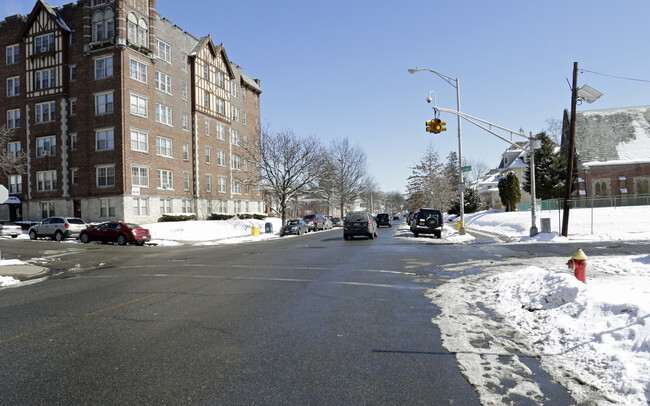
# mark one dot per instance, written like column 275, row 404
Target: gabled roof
column 53, row 12
column 252, row 83
column 613, row 137
column 207, row 41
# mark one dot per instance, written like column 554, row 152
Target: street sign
column 466, row 168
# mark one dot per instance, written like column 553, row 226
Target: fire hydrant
column 578, row 263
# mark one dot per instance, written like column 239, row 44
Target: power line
column 614, row 76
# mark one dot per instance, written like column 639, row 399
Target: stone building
column 120, row 114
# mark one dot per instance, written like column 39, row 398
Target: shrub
column 177, row 217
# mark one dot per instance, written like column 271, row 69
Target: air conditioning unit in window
column 44, row 49
column 43, row 152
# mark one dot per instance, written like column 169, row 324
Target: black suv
column 427, row 221
column 359, row 223
column 384, row 219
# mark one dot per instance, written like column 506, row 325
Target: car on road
column 337, row 222
column 359, row 223
column 294, row 226
column 384, row 219
column 57, row 228
column 116, row 231
column 7, row 228
column 315, row 221
column 427, row 221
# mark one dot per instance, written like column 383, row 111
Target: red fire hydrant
column 578, row 263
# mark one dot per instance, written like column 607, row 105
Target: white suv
column 57, row 228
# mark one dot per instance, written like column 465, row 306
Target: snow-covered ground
column 593, row 338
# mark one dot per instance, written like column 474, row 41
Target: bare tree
column 428, row 186
column 553, row 129
column 395, row 201
column 479, row 168
column 11, row 162
column 349, row 171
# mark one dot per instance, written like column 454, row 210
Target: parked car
column 328, row 223
column 315, row 222
column 116, row 231
column 384, row 219
column 337, row 222
column 57, row 228
column 7, row 228
column 427, row 221
column 294, row 226
column 359, row 223
column 396, row 217
column 409, row 217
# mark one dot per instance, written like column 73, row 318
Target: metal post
column 572, row 143
column 533, row 203
column 461, row 231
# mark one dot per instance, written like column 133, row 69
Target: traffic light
column 431, row 126
column 436, row 126
column 441, row 126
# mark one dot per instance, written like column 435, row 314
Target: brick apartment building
column 120, row 114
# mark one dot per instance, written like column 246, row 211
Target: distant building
column 123, row 115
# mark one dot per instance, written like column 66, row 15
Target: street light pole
column 461, row 186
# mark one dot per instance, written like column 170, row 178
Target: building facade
column 120, row 114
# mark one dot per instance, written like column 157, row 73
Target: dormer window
column 44, row 43
column 103, row 25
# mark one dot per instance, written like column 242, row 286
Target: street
column 298, row 320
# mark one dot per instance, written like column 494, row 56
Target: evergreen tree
column 550, row 170
column 472, row 203
column 509, row 191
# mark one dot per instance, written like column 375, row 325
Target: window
column 234, row 137
column 140, row 176
column 222, row 206
column 15, row 184
column 104, row 67
column 163, row 114
column 221, row 106
column 103, row 25
column 186, row 121
column 13, row 150
column 220, row 80
column 106, row 208
column 641, row 186
column 165, row 206
column 234, row 89
column 206, row 99
column 208, row 155
column 74, row 141
column 45, row 79
column 237, row 204
column 207, row 127
column 46, row 146
column 221, row 131
column 208, row 183
column 137, row 31
column 221, row 157
column 165, row 179
column 73, row 72
column 206, row 71
column 243, row 117
column 163, row 51
column 235, row 113
column 73, row 107
column 13, row 86
column 103, row 103
column 186, row 151
column 243, row 94
column 105, row 175
column 221, row 184
column 186, row 206
column 139, row 105
column 104, row 139
column 74, row 176
column 184, row 91
column 45, row 181
column 45, row 112
column 44, row 43
column 139, row 141
column 601, row 188
column 140, row 206
column 13, row 54
column 138, row 70
column 164, row 147
column 47, row 209
column 163, row 82
column 235, row 162
column 13, row 119
column 186, row 180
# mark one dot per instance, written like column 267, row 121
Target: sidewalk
column 23, row 272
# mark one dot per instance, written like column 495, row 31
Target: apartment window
column 74, row 141
column 140, row 206
column 237, row 205
column 243, row 117
column 220, row 80
column 243, row 94
column 221, row 132
column 13, row 119
column 234, row 113
column 165, row 206
column 234, row 137
column 105, row 175
column 140, row 176
column 235, row 162
column 186, row 206
column 13, row 86
column 73, row 107
column 139, row 105
column 103, row 103
column 163, row 82
column 222, row 206
column 104, row 67
column 44, row 43
column 74, row 176
column 186, row 121
column 103, row 25
column 186, row 180
column 184, row 62
column 221, row 106
column 186, row 151
column 208, row 183
column 206, row 71
column 244, row 140
column 13, row 150
column 164, row 147
column 104, row 139
column 73, row 72
column 106, row 208
column 164, row 114
column 73, row 37
column 47, row 209
column 137, row 31
column 207, row 127
column 206, row 99
column 13, row 54
column 208, row 155
column 44, row 79
column 137, row 70
column 221, row 184
column 46, row 146
column 184, row 91
column 163, row 51
column 165, row 179
column 139, row 141
column 15, row 184
column 234, row 89
column 45, row 112
column 208, row 204
column 45, row 181
column 221, row 157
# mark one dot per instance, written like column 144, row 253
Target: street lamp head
column 414, row 70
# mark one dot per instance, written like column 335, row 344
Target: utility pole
column 572, row 144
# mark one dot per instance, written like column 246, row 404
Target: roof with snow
column 614, row 136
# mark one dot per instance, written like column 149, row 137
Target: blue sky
column 339, row 68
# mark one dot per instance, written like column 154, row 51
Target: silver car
column 10, row 229
column 57, row 228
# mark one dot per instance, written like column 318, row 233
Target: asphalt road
column 309, row 320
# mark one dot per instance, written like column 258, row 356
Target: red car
column 116, row 231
